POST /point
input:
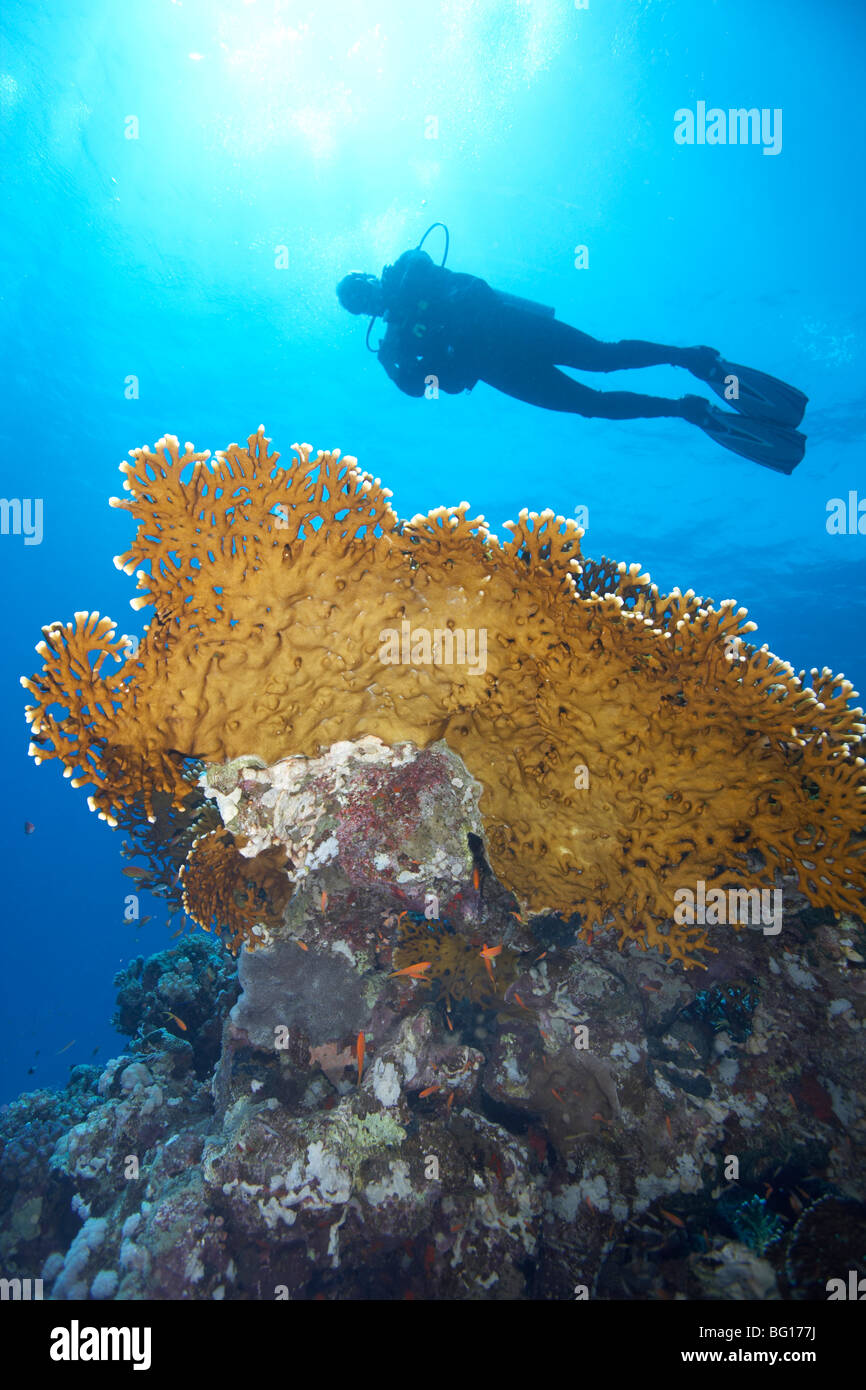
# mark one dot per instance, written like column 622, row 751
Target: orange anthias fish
column 179, row 1021
column 360, row 1049
column 476, row 878
column 324, row 900
column 416, row 972
column 488, row 954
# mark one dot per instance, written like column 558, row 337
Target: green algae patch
column 360, row 1139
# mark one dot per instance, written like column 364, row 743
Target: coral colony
column 459, row 815
column 271, row 590
column 756, row 1225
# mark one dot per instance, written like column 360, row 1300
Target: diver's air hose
column 431, row 228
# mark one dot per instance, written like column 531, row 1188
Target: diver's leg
column 566, row 346
column 554, row 390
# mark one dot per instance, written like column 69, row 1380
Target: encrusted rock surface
column 564, row 1117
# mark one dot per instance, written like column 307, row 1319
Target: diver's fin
column 763, row 441
column 761, row 396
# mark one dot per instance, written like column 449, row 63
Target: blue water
column 264, row 125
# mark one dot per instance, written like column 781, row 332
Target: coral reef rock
column 517, row 1113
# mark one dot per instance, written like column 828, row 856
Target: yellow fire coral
column 629, row 742
column 225, row 892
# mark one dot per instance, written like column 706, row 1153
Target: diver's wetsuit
column 459, row 329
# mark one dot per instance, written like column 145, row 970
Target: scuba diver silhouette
column 453, row 330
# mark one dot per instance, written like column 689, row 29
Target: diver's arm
column 431, row 312
column 408, row 374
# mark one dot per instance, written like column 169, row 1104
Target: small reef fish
column 324, row 902
column 489, row 954
column 476, row 878
column 29, row 827
column 66, row 1048
column 428, row 1091
column 415, row 972
column 132, row 872
column 179, row 1021
column 519, row 1000
column 674, row 1220
column 360, row 1049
